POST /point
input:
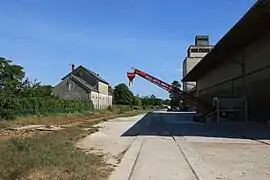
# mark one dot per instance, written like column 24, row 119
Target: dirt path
column 108, row 139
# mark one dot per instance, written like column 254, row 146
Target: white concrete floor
column 168, row 146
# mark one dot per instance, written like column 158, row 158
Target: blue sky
column 110, row 36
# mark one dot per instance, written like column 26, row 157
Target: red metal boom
column 154, row 80
column 167, row 87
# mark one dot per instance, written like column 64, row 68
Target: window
column 204, row 50
column 194, row 50
column 70, row 86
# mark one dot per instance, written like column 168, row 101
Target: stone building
column 82, row 83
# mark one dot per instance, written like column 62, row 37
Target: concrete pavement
column 165, row 146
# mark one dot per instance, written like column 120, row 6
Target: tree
column 174, row 95
column 110, row 90
column 35, row 89
column 45, row 90
column 122, row 95
column 176, row 84
column 11, row 77
column 151, row 101
column 137, row 101
column 146, row 101
column 152, row 96
column 167, row 102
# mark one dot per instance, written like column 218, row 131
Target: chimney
column 72, row 67
column 97, row 74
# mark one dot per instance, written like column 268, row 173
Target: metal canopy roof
column 252, row 25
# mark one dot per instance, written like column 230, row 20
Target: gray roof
column 251, row 26
column 90, row 72
column 94, row 74
column 83, row 83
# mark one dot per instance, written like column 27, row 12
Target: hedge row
column 14, row 107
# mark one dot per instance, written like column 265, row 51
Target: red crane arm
column 158, row 82
column 167, row 87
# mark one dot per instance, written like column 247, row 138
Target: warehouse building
column 239, row 64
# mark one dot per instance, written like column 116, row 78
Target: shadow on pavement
column 182, row 124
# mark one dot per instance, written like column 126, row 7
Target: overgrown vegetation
column 54, row 155
column 50, row 156
column 20, row 97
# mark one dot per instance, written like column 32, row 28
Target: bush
column 110, row 108
column 11, row 108
column 124, row 108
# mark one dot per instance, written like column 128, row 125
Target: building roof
column 83, row 83
column 250, row 27
column 90, row 72
column 96, row 75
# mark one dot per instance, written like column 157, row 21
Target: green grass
column 54, row 156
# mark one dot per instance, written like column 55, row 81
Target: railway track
column 10, row 133
column 80, row 120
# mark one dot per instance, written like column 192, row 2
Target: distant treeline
column 122, row 95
